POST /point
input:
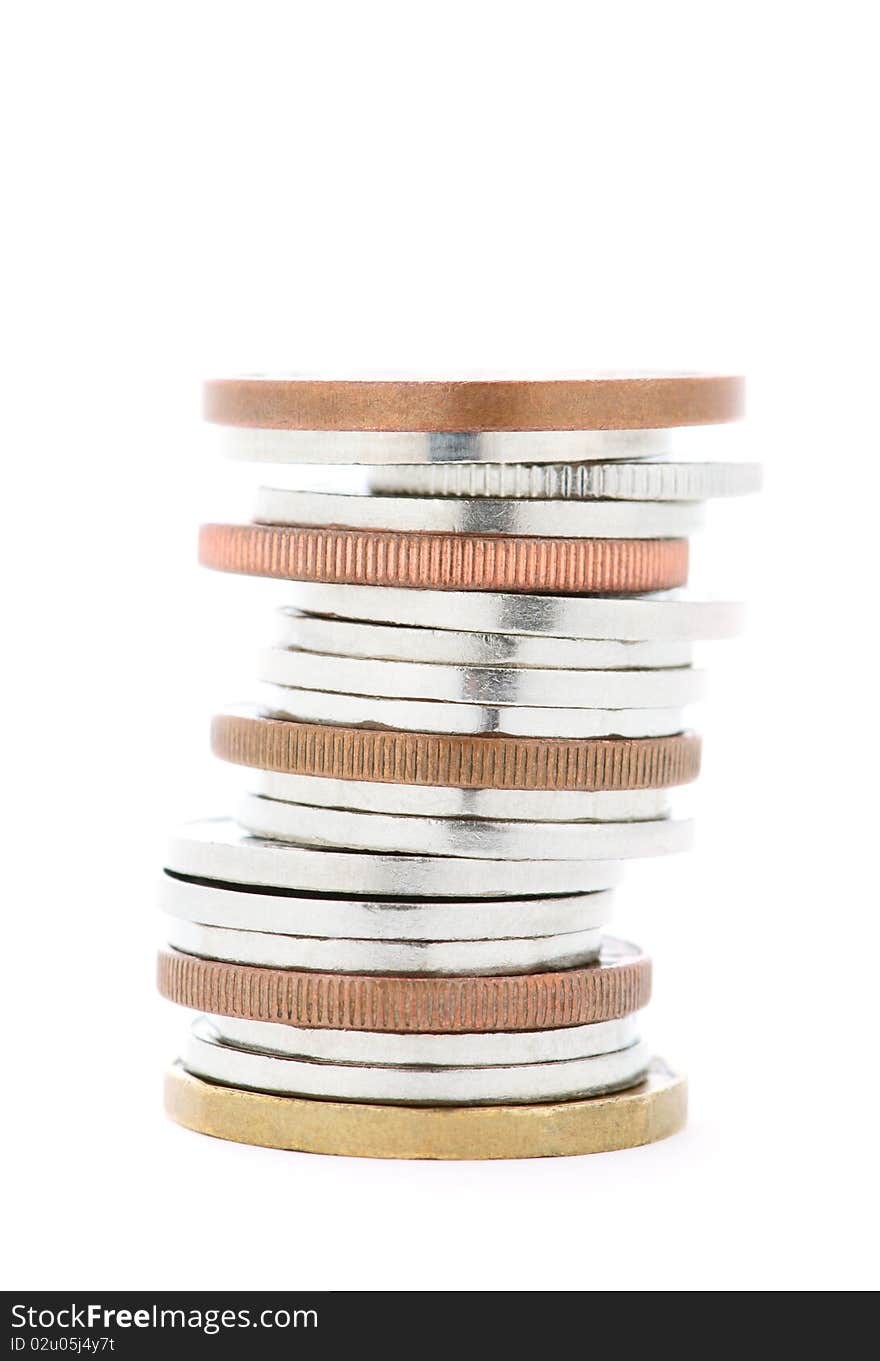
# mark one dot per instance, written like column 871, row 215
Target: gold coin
column 653, row 1110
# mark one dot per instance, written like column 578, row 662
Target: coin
column 377, row 447
column 597, row 402
column 340, row 955
column 655, row 1109
column 386, row 1049
column 524, row 1082
column 542, row 805
column 443, row 561
column 658, row 619
column 640, row 481
column 433, row 716
column 562, row 523
column 286, row 912
column 492, row 686
column 617, row 984
column 481, row 838
column 467, row 762
column 349, row 638
column 221, row 851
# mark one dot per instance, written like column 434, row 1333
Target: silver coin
column 658, row 688
column 393, row 642
column 417, row 446
column 654, row 618
column 290, row 914
column 206, row 1057
column 643, row 481
column 557, row 519
column 340, row 955
column 477, row 837
column 528, row 805
column 324, row 706
column 384, row 1049
column 219, row 850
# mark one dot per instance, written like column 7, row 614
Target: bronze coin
column 647, row 402
column 459, row 761
column 455, row 562
column 619, row 983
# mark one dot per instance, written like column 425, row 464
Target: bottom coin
column 653, row 1110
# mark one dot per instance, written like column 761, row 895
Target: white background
column 204, row 188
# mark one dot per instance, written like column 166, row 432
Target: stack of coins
column 471, row 714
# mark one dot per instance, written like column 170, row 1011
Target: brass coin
column 456, row 760
column 454, row 562
column 617, row 984
column 653, row 1110
column 613, row 402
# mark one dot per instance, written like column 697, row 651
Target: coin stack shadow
column 472, row 714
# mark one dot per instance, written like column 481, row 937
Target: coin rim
column 460, row 760
column 351, row 638
column 487, row 1050
column 615, row 402
column 600, row 991
column 444, row 561
column 297, row 704
column 342, row 954
column 470, row 839
column 240, row 907
column 419, row 1084
column 218, row 850
column 441, row 802
column 488, row 517
column 650, row 618
column 573, row 482
column 655, row 1109
column 490, row 687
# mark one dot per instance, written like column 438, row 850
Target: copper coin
column 470, row 562
column 614, row 402
column 458, row 760
column 619, row 983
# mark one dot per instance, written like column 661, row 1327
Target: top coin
column 601, row 402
